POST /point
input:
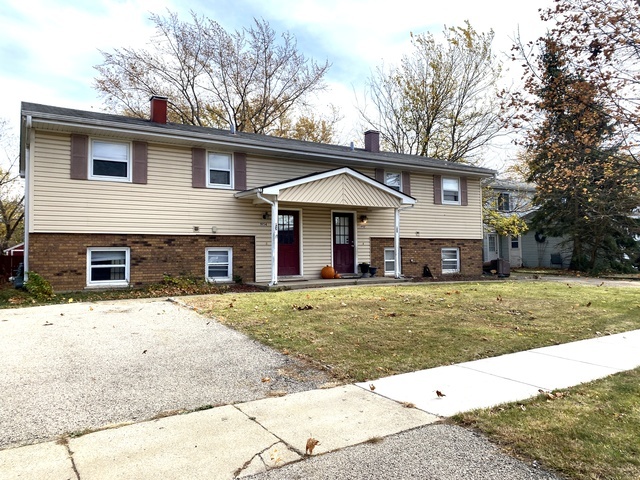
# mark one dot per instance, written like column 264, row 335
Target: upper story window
column 451, row 190
column 110, row 160
column 220, row 170
column 504, row 204
column 393, row 180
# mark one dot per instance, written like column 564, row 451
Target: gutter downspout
column 27, row 180
column 274, row 237
column 396, row 239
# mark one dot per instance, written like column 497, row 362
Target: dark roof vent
column 372, row 141
column 158, row 109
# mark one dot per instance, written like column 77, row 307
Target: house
column 531, row 249
column 116, row 201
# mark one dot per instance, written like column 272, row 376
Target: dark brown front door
column 343, row 243
column 288, row 243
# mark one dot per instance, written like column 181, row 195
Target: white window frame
column 110, row 178
column 229, row 264
column 398, row 174
column 109, row 283
column 451, row 202
column 492, row 237
column 450, row 250
column 393, row 261
column 219, row 185
column 515, row 239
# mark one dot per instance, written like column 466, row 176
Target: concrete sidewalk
column 249, row 438
column 507, row 378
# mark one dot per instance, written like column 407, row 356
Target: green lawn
column 591, row 432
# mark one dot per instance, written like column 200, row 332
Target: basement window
column 108, row 266
column 450, row 260
column 219, row 264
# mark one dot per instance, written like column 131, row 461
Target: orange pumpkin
column 328, row 272
column 337, row 275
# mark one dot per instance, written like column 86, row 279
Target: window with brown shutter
column 198, row 168
column 139, row 162
column 240, row 170
column 406, row 183
column 437, row 189
column 79, row 157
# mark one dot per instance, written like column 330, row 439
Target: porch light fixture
column 363, row 219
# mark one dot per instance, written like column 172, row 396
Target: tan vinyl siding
column 168, row 205
column 339, row 190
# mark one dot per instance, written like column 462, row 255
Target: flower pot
column 372, row 271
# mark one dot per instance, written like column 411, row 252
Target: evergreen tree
column 587, row 189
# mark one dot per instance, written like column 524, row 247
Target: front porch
column 324, row 219
column 301, row 283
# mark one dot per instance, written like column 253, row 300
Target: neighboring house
column 117, row 201
column 532, row 249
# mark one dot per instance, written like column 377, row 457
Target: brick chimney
column 372, row 141
column 158, row 109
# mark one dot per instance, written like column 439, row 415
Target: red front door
column 288, row 243
column 343, row 243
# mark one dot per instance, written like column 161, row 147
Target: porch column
column 396, row 243
column 274, row 242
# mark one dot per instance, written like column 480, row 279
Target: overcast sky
column 48, row 48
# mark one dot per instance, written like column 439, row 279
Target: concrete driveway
column 69, row 368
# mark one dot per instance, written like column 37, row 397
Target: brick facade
column 61, row 258
column 418, row 252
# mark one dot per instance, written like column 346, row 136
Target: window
column 390, row 261
column 451, row 190
column 515, row 242
column 492, row 240
column 219, row 264
column 107, row 266
column 220, row 170
column 503, row 202
column 110, row 161
column 393, row 180
column 450, row 260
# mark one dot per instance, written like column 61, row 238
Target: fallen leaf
column 408, row 405
column 266, row 379
column 372, row 387
column 144, row 351
column 311, row 444
column 523, row 408
column 589, row 304
column 440, row 394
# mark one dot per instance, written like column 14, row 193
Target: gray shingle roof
column 269, row 143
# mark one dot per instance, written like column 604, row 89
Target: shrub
column 38, row 287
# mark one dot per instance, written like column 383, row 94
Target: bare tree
column 11, row 191
column 248, row 79
column 441, row 101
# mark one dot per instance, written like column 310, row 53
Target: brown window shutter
column 240, row 170
column 198, row 168
column 79, row 157
column 464, row 199
column 437, row 189
column 380, row 175
column 406, row 183
column 139, row 161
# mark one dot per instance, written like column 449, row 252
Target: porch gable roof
column 340, row 186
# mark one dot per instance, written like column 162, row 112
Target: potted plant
column 372, row 271
column 364, row 269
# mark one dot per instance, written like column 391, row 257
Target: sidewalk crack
column 64, row 441
column 239, row 471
